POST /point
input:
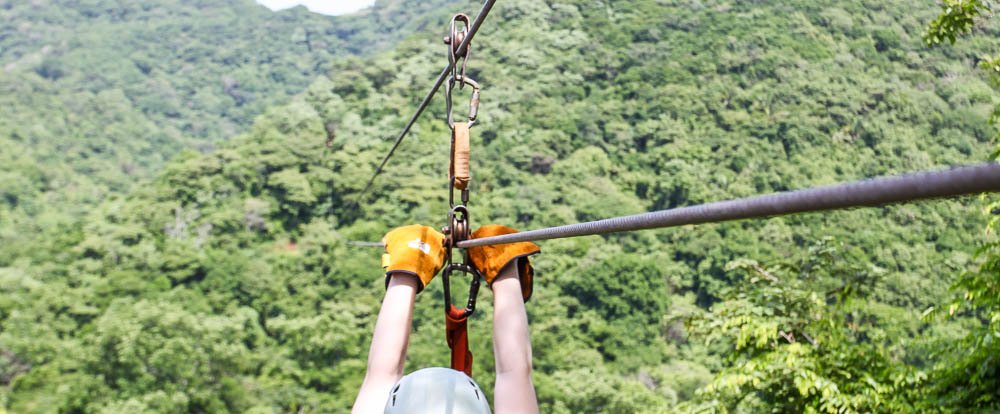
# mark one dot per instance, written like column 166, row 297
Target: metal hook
column 470, row 306
column 473, row 101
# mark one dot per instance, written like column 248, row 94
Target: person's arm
column 507, row 270
column 413, row 255
column 389, row 342
column 514, row 391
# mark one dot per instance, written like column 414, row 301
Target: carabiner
column 470, row 306
column 473, row 102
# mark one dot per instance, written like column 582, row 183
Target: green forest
column 178, row 182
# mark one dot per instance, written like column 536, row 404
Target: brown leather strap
column 460, row 155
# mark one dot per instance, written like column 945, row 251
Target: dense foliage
column 224, row 284
column 97, row 95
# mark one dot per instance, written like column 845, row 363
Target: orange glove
column 489, row 260
column 416, row 250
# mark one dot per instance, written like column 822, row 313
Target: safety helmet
column 437, row 390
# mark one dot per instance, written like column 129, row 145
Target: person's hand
column 414, row 250
column 489, row 260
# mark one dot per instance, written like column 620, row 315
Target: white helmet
column 437, row 390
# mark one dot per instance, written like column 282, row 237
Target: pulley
column 458, row 30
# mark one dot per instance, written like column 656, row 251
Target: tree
column 958, row 18
column 796, row 347
column 968, row 375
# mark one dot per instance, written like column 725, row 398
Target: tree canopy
column 217, row 277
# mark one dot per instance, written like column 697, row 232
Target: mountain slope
column 98, row 95
column 224, row 284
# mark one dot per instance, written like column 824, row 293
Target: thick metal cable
column 483, row 12
column 868, row 193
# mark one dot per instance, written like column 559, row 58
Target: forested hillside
column 224, row 284
column 97, row 95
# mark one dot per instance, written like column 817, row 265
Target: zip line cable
column 866, row 193
column 959, row 181
column 462, row 47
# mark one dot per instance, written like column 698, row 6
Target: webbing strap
column 457, row 333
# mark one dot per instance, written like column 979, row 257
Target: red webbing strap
column 457, row 333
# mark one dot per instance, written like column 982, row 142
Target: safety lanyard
column 458, row 228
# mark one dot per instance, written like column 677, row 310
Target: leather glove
column 489, row 260
column 415, row 250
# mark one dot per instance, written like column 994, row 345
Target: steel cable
column 867, row 193
column 483, row 12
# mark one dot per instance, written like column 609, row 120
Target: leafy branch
column 957, row 18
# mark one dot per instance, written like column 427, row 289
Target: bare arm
column 388, row 351
column 514, row 392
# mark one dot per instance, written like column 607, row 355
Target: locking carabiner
column 470, row 305
column 456, row 319
column 449, row 86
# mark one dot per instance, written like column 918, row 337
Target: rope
column 485, row 11
column 867, row 193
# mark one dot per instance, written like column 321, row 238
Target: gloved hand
column 416, row 250
column 489, row 260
